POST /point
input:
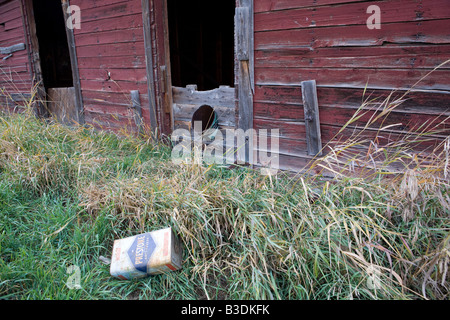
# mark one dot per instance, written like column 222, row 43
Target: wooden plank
column 109, row 86
column 137, row 110
column 112, row 74
column 74, row 65
column 312, row 121
column 110, row 37
column 117, row 23
column 430, row 102
column 62, row 106
column 149, row 64
column 112, row 50
column 184, row 112
column 223, row 96
column 351, row 13
column 12, row 49
column 122, row 62
column 380, row 57
column 271, row 5
column 110, row 11
column 39, row 102
column 242, row 33
column 431, row 32
column 245, row 154
column 357, row 78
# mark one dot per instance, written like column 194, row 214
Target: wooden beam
column 245, row 76
column 149, row 64
column 40, row 108
column 12, row 49
column 137, row 110
column 312, row 122
column 74, row 64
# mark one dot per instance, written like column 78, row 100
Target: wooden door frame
column 35, row 61
column 244, row 72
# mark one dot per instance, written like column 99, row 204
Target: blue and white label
column 141, row 251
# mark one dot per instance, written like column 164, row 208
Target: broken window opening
column 201, row 37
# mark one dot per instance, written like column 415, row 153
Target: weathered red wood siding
column 15, row 71
column 328, row 41
column 111, row 61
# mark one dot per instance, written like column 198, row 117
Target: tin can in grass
column 146, row 254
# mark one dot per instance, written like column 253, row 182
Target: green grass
column 66, row 194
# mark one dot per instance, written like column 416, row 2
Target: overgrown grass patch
column 67, row 193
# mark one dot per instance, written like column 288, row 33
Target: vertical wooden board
column 242, row 33
column 149, row 63
column 245, row 77
column 62, row 106
column 137, row 110
column 74, row 64
column 312, row 122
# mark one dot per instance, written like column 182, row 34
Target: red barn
column 154, row 63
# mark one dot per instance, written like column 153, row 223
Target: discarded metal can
column 146, row 254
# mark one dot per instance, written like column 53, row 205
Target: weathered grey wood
column 149, row 64
column 61, row 105
column 222, row 96
column 12, row 49
column 251, row 41
column 137, row 109
column 40, row 108
column 74, row 64
column 243, row 33
column 244, row 37
column 184, row 112
column 312, row 122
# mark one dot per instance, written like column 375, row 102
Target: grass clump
column 380, row 232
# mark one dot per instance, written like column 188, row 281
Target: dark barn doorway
column 55, row 61
column 53, row 46
column 201, row 38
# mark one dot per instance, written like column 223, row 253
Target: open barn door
column 201, row 50
column 206, row 70
column 55, row 60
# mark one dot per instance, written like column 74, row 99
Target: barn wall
column 328, row 41
column 15, row 71
column 111, row 60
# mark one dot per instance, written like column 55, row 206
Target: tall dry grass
column 378, row 230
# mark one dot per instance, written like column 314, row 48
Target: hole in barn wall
column 208, row 118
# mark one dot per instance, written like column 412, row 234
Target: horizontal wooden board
column 274, row 5
column 352, row 14
column 113, row 74
column 431, row 32
column 89, row 4
column 381, row 57
column 111, row 11
column 118, row 23
column 184, row 112
column 110, row 37
column 340, row 115
column 121, row 62
column 112, row 50
column 433, row 102
column 112, row 98
column 9, row 12
column 110, row 86
column 359, row 78
column 223, row 96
